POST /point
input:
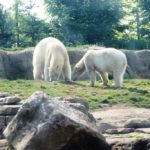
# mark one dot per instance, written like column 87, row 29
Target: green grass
column 134, row 92
column 134, row 135
column 12, row 49
column 78, row 47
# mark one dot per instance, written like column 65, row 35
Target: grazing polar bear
column 50, row 59
column 107, row 60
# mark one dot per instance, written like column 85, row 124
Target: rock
column 75, row 100
column 104, row 105
column 75, row 56
column 46, row 123
column 9, row 109
column 119, row 131
column 138, row 62
column 10, row 100
column 8, row 119
column 130, row 144
column 143, row 130
column 2, row 121
column 3, row 144
column 2, row 126
column 3, row 64
column 14, row 65
column 103, row 126
column 3, row 94
column 137, row 123
column 144, row 68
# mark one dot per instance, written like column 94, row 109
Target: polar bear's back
column 48, row 45
column 112, row 54
column 107, row 59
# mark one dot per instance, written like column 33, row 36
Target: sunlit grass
column 134, row 135
column 11, row 49
column 78, row 47
column 134, row 91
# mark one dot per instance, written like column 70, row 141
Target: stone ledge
column 9, row 109
column 10, row 100
column 4, row 144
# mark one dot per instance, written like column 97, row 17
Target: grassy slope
column 135, row 91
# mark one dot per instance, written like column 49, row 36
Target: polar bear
column 107, row 60
column 50, row 60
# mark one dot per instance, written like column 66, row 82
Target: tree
column 146, row 4
column 6, row 28
column 17, row 6
column 134, row 25
column 145, row 31
column 88, row 21
column 32, row 29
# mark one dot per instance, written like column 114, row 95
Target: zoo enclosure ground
column 135, row 92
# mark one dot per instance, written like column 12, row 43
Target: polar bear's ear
column 77, row 67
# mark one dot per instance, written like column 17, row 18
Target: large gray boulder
column 14, row 65
column 137, row 123
column 46, row 123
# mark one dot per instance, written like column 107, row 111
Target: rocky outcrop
column 47, row 123
column 125, row 127
column 130, row 144
column 14, row 65
column 65, row 123
column 9, row 106
column 137, row 123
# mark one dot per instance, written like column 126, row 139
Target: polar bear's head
column 54, row 73
column 78, row 70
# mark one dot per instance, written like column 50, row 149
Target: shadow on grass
column 75, row 83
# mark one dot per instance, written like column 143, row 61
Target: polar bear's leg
column 55, row 70
column 92, row 75
column 46, row 76
column 37, row 72
column 66, row 70
column 91, row 71
column 46, row 69
column 118, row 78
column 104, row 77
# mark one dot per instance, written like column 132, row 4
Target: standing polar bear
column 50, row 60
column 107, row 60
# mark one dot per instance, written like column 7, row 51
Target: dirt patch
column 118, row 114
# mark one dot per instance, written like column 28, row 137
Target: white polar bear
column 107, row 60
column 50, row 59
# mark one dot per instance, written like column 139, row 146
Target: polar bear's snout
column 77, row 72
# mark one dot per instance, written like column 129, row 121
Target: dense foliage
column 120, row 24
column 85, row 21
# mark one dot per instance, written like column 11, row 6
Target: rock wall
column 14, row 65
